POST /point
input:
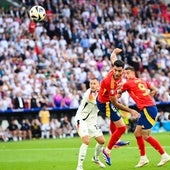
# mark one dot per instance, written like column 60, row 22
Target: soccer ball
column 37, row 13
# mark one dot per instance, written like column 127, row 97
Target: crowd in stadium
column 52, row 61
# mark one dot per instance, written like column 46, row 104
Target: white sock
column 82, row 154
column 42, row 134
column 98, row 150
column 143, row 157
column 47, row 134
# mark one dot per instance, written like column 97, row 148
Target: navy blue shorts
column 110, row 110
column 148, row 117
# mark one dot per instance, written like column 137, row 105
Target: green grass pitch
column 61, row 154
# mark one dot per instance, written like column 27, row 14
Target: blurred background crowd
column 51, row 62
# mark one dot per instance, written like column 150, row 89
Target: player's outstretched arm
column 120, row 106
column 113, row 56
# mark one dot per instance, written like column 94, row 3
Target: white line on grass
column 58, row 149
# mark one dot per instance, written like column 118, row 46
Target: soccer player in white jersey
column 86, row 121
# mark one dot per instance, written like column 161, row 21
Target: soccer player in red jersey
column 107, row 103
column 142, row 93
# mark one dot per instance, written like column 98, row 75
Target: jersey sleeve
column 124, row 87
column 83, row 101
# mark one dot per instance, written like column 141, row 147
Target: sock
column 115, row 136
column 98, row 150
column 47, row 134
column 141, row 145
column 154, row 143
column 112, row 127
column 42, row 134
column 82, row 154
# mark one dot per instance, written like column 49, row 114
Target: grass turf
column 61, row 154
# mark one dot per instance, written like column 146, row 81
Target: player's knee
column 146, row 135
column 137, row 134
column 86, row 140
column 102, row 141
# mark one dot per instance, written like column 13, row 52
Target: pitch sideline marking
column 59, row 149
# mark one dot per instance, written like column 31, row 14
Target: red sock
column 141, row 145
column 154, row 143
column 112, row 127
column 115, row 136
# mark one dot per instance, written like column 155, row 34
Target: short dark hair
column 119, row 63
column 130, row 68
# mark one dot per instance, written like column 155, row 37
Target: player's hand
column 118, row 95
column 117, row 50
column 113, row 56
column 134, row 114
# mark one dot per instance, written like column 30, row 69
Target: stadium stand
column 52, row 61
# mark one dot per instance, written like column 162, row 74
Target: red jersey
column 138, row 90
column 108, row 87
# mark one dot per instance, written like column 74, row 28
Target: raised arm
column 120, row 106
column 114, row 53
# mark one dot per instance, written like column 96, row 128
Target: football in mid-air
column 37, row 13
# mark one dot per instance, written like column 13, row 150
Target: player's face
column 118, row 71
column 94, row 85
column 129, row 74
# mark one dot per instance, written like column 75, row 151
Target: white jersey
column 88, row 110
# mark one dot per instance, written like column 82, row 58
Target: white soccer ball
column 37, row 13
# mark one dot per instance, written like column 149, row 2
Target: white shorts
column 45, row 127
column 85, row 129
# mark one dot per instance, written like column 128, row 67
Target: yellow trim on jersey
column 107, row 110
column 148, row 117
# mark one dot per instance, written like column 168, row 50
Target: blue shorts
column 110, row 110
column 148, row 117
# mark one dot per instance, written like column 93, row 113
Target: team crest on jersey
column 112, row 92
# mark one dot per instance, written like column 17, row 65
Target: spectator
column 160, row 118
column 19, row 101
column 28, row 58
column 58, row 100
column 26, row 129
column 66, row 127
column 36, row 128
column 5, row 102
column 66, row 101
column 44, row 116
column 14, row 130
column 33, row 101
column 55, row 128
column 3, row 135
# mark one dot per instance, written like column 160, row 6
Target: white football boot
column 143, row 161
column 98, row 162
column 164, row 159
